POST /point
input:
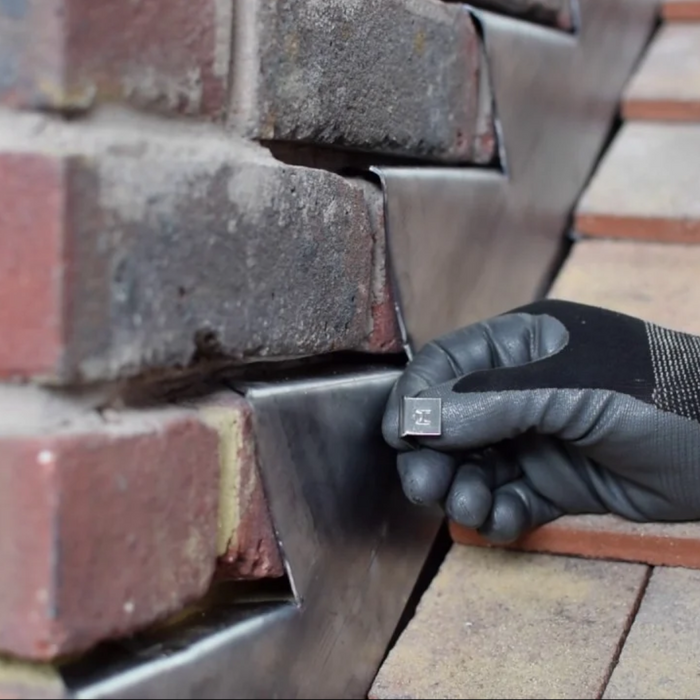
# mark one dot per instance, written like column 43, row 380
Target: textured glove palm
column 555, row 408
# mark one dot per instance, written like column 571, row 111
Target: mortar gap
column 341, row 160
column 626, row 631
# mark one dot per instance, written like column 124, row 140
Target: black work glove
column 555, row 408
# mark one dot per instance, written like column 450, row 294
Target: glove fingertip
column 426, row 476
column 507, row 521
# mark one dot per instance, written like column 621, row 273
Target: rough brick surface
column 385, row 334
column 398, row 77
column 557, row 13
column 660, row 656
column 167, row 55
column 247, row 544
column 220, row 252
column 107, row 525
column 655, row 281
column 680, row 10
column 31, row 240
column 20, row 679
column 666, row 85
column 496, row 624
column 607, row 537
column 646, row 185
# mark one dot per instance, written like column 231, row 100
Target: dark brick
column 167, row 55
column 108, row 524
column 397, row 77
column 169, row 244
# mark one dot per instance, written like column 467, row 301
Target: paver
column 660, row 656
column 646, row 185
column 657, row 282
column 666, row 85
column 681, row 10
column 606, row 537
column 496, row 624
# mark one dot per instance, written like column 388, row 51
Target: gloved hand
column 555, row 408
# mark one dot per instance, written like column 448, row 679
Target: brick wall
column 174, row 200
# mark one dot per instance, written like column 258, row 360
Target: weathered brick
column 395, row 77
column 166, row 55
column 645, row 185
column 385, row 334
column 681, row 10
column 496, row 624
column 557, row 13
column 247, row 544
column 108, row 523
column 21, row 679
column 660, row 656
column 606, row 537
column 666, row 85
column 31, row 254
column 218, row 251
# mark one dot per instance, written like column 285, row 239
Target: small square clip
column 421, row 417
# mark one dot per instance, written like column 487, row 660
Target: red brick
column 31, row 260
column 657, row 282
column 107, row 525
column 509, row 625
column 680, row 10
column 645, row 186
column 666, row 86
column 167, row 55
column 247, row 543
column 263, row 259
column 393, row 77
column 606, row 537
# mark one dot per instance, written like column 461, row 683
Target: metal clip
column 420, row 417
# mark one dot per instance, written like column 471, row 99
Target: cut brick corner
column 247, row 545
